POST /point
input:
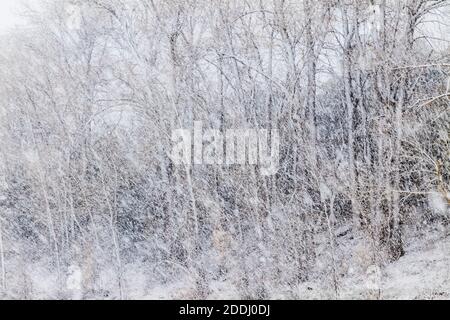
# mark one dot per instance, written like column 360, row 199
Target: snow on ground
column 422, row 273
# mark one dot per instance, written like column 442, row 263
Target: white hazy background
column 10, row 16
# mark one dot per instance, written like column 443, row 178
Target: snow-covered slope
column 422, row 273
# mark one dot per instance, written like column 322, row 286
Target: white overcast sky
column 9, row 14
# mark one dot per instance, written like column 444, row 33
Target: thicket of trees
column 91, row 91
